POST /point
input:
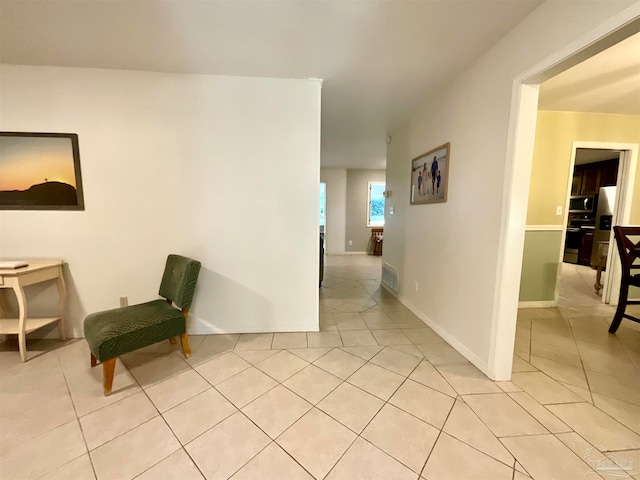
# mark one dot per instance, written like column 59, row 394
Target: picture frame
column 430, row 176
column 40, row 171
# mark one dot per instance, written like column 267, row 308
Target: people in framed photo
column 430, row 175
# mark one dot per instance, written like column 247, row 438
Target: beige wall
column 356, row 213
column 555, row 134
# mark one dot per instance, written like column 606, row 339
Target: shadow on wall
column 75, row 311
column 222, row 305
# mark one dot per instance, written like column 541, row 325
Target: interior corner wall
column 357, row 231
column 550, row 178
column 453, row 249
column 336, row 209
column 192, row 164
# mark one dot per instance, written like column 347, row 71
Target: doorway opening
column 591, row 209
column 518, row 177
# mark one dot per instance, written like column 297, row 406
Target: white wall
column 190, row 164
column 336, row 198
column 452, row 249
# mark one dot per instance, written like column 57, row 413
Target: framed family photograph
column 40, row 171
column 430, row 176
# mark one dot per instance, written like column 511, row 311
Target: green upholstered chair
column 115, row 332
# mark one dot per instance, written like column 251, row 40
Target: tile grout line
column 457, row 398
column 165, row 422
column 460, row 399
column 436, row 441
column 64, row 375
column 385, row 402
column 584, row 371
column 368, row 361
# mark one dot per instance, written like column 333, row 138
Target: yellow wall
column 555, row 134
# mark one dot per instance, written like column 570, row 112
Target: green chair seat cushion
column 115, row 332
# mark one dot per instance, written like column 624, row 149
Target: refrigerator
column 604, row 218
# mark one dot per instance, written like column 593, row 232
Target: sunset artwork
column 40, row 171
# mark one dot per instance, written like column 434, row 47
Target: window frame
column 320, row 206
column 369, row 185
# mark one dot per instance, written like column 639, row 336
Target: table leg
column 62, row 294
column 4, row 305
column 22, row 306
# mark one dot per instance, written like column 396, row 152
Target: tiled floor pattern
column 374, row 395
column 576, row 286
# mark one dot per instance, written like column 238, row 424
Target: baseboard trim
column 388, row 289
column 459, row 347
column 464, row 351
column 538, row 304
column 201, row 328
column 354, row 253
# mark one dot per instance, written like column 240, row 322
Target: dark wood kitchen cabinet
column 588, row 178
column 576, row 184
column 608, row 173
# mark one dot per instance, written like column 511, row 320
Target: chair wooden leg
column 186, row 349
column 172, row 340
column 184, row 338
column 108, row 367
column 622, row 305
column 94, row 361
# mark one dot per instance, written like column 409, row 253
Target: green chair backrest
column 179, row 280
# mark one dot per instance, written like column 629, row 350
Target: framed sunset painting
column 40, row 171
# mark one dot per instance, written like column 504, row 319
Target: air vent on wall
column 390, row 276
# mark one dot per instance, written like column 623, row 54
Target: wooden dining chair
column 376, row 238
column 629, row 255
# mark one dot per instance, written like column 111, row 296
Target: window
column 323, row 205
column 375, row 215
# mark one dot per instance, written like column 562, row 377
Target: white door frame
column 621, row 216
column 621, row 211
column 515, row 199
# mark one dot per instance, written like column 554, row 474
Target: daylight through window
column 375, row 216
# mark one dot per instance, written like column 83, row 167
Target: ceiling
column 379, row 59
column 591, row 155
column 608, row 82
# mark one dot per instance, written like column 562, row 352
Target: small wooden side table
column 37, row 271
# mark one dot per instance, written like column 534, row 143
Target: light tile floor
column 374, row 394
column 576, row 286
